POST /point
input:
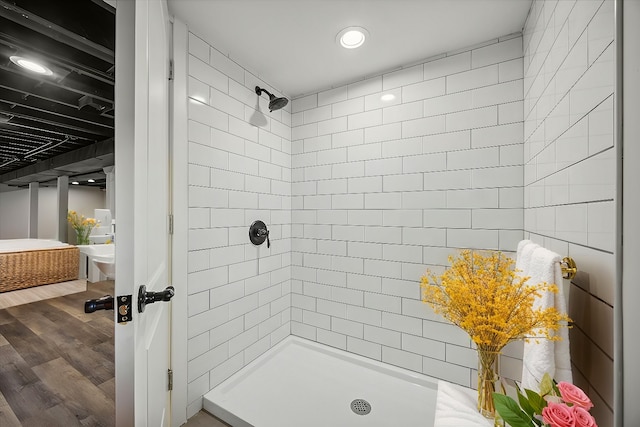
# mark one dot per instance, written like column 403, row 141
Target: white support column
column 63, row 207
column 33, row 209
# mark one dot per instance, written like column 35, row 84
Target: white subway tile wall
column 239, row 302
column 390, row 188
column 569, row 170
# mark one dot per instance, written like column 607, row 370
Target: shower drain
column 360, row 407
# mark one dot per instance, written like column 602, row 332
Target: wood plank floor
column 39, row 293
column 57, row 363
column 205, row 419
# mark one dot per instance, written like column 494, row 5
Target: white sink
column 103, row 257
column 98, row 250
column 107, row 267
column 97, row 239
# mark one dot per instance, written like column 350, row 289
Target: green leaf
column 510, row 411
column 546, row 385
column 536, row 401
column 524, row 403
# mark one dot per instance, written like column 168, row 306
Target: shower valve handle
column 264, row 232
column 258, row 233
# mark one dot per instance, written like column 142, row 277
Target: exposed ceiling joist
column 54, row 122
column 49, row 29
column 47, row 107
column 23, row 86
column 95, row 156
column 15, row 131
column 72, row 82
column 24, row 149
column 46, row 116
column 18, row 46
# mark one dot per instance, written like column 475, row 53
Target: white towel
column 521, row 246
column 457, row 406
column 546, row 356
column 523, row 256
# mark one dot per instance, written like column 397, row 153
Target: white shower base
column 301, row 383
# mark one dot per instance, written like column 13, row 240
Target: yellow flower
column 484, row 295
column 81, row 225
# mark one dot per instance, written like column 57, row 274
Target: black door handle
column 145, row 297
column 104, row 303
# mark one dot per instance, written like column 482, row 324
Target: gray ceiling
column 61, row 124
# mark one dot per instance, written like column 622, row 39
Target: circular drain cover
column 360, row 407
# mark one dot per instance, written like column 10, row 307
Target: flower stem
column 487, row 377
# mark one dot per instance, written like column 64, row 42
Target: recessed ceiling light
column 352, row 37
column 387, row 97
column 75, row 183
column 91, row 180
column 31, row 65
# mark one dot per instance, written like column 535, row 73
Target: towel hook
column 569, row 268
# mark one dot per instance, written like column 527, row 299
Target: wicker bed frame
column 26, row 269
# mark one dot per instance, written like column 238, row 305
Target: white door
column 142, row 210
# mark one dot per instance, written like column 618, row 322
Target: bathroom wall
column 570, row 170
column 362, row 195
column 239, row 158
column 382, row 190
column 14, row 210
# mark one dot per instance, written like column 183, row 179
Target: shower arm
column 259, row 91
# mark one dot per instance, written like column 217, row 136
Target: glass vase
column 82, row 236
column 488, row 381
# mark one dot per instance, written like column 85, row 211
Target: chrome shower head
column 274, row 103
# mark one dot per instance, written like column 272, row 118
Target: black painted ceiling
column 60, row 124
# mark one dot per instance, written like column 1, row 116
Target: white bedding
column 17, row 245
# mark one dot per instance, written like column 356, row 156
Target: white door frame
column 180, row 210
column 627, row 315
column 124, row 166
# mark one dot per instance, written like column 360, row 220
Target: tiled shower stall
column 383, row 190
column 478, row 148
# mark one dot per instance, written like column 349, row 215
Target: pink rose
column 575, row 395
column 558, row 415
column 583, row 417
